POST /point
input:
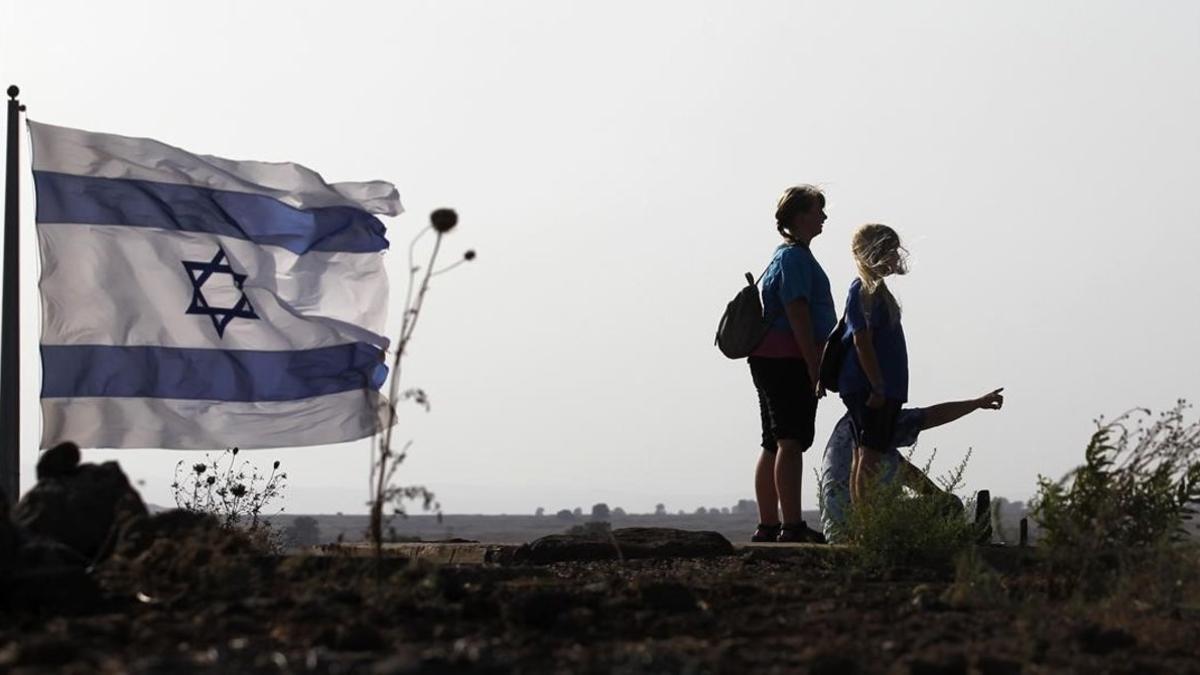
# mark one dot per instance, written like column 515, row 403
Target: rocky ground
column 174, row 593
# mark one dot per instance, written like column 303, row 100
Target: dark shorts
column 786, row 401
column 874, row 428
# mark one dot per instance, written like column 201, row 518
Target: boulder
column 78, row 505
column 629, row 542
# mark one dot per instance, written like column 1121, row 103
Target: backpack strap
column 754, row 282
column 750, row 280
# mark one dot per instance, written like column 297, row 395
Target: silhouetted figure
column 796, row 296
column 839, row 454
column 61, row 460
column 874, row 379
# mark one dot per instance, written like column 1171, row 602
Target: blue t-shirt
column 890, row 348
column 794, row 273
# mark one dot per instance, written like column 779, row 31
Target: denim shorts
column 787, row 404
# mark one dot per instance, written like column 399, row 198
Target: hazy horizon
column 616, row 167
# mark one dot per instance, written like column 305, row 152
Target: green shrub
column 895, row 528
column 1125, row 506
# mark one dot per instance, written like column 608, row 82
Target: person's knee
column 792, row 447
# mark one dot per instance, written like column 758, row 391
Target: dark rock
column 630, row 542
column 665, row 542
column 61, row 460
column 137, row 534
column 81, row 507
column 564, row 547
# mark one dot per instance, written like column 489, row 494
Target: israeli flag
column 191, row 301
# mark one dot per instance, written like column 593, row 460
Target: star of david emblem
column 201, row 272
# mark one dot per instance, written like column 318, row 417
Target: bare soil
column 210, row 605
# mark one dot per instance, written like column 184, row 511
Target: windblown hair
column 797, row 199
column 878, row 254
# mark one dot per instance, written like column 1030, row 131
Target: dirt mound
column 171, row 554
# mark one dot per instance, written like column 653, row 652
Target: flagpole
column 10, row 364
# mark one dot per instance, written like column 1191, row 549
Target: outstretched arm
column 937, row 415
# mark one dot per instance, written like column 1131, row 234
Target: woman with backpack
column 784, row 366
column 873, row 381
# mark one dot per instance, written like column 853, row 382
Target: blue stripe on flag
column 66, row 198
column 208, row 374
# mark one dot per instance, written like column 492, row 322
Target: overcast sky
column 616, row 165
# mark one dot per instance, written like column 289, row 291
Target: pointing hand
column 991, row 401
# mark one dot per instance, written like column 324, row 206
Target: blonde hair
column 878, row 254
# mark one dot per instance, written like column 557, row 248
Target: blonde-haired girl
column 873, row 382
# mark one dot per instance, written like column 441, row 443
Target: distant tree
column 565, row 515
column 540, row 512
column 701, row 511
column 303, row 532
column 746, row 506
column 600, row 511
column 578, row 511
column 724, row 510
column 681, row 512
column 593, row 529
column 660, row 509
column 618, row 512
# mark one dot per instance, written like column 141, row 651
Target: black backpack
column 743, row 326
column 833, row 355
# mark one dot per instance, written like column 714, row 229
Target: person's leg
column 913, row 478
column 854, row 465
column 795, row 435
column 878, row 430
column 869, row 464
column 789, row 474
column 764, row 489
column 764, row 471
column 835, row 479
column 790, row 406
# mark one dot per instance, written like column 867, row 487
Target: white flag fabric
column 191, row 301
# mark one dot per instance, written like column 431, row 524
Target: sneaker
column 800, row 534
column 765, row 533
